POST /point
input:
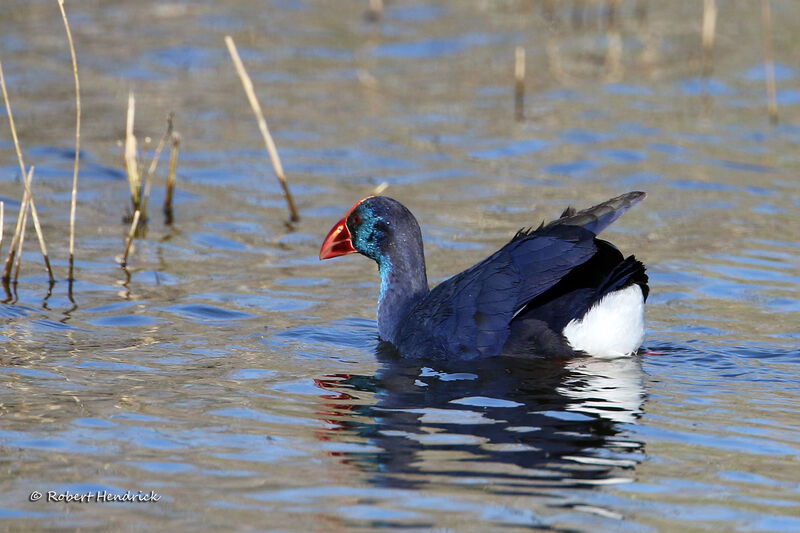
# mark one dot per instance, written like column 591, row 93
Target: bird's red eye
column 356, row 219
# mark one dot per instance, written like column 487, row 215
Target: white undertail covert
column 613, row 327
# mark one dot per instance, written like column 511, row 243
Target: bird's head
column 372, row 227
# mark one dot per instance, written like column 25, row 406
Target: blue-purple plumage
column 517, row 300
column 491, row 292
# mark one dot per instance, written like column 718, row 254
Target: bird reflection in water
column 512, row 426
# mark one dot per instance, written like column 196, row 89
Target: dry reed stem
column 154, row 163
column 28, row 179
column 375, row 11
column 380, row 188
column 15, row 239
column 262, row 124
column 74, row 202
column 131, row 161
column 129, row 240
column 171, row 177
column 27, row 194
column 769, row 62
column 21, row 240
column 612, row 14
column 160, row 147
column 15, row 248
column 519, row 83
column 19, row 253
column 38, row 229
column 709, row 31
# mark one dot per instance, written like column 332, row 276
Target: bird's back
column 519, row 297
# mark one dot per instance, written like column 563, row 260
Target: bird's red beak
column 337, row 242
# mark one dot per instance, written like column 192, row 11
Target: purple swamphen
column 555, row 291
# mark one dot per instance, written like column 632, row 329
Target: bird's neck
column 403, row 283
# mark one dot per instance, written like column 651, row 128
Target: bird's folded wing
column 469, row 314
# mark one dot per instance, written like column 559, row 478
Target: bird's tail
column 628, row 271
column 600, row 216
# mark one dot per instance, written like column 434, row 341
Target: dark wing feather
column 600, row 216
column 595, row 218
column 568, row 212
column 469, row 314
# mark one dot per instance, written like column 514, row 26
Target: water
column 240, row 379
